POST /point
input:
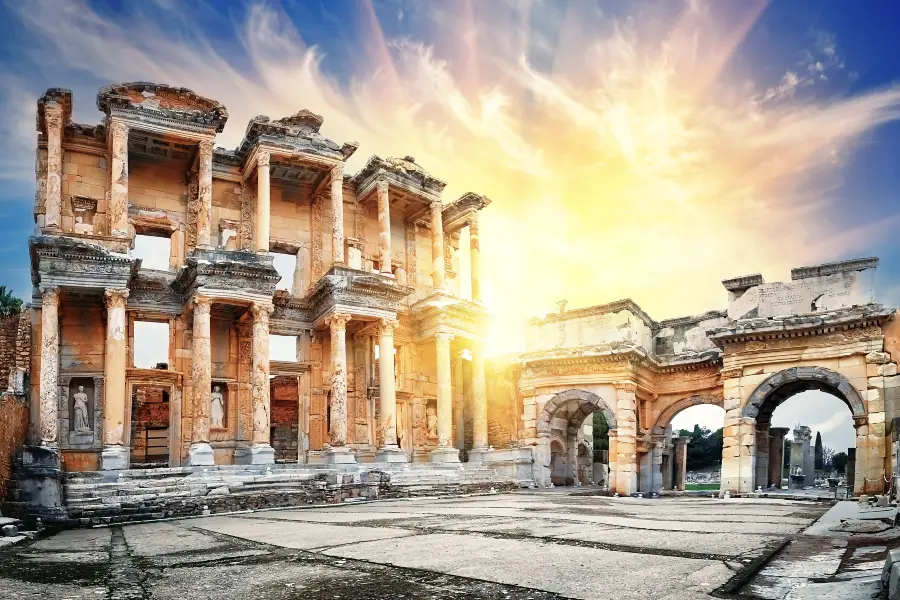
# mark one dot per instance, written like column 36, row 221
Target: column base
column 390, row 454
column 338, row 455
column 114, row 458
column 476, row 455
column 445, row 455
column 262, row 454
column 201, row 454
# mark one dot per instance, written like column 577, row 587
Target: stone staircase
column 105, row 497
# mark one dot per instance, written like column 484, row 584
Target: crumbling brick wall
column 15, row 346
column 285, row 417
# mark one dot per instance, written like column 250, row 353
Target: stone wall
column 501, row 379
column 15, row 344
column 13, row 428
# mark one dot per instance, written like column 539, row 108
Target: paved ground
column 524, row 545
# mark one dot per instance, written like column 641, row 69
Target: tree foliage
column 601, row 435
column 839, row 462
column 818, row 455
column 704, row 449
column 9, row 304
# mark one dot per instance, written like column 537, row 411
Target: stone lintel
column 229, row 273
column 355, row 292
column 737, row 284
column 440, row 310
column 63, row 261
column 402, row 174
column 844, row 266
column 163, row 105
column 456, row 215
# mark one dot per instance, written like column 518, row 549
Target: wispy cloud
column 623, row 158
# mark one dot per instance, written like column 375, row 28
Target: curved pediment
column 171, row 105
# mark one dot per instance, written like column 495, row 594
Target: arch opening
column 688, row 435
column 569, row 444
column 800, row 426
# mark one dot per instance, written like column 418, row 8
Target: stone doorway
column 150, row 420
column 284, row 394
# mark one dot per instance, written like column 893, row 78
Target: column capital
column 443, row 335
column 337, row 320
column 116, row 298
column 436, row 208
column 381, row 186
column 472, row 222
column 387, row 326
column 625, row 386
column 263, row 158
column 50, row 296
column 201, row 304
column 337, row 172
column 117, row 128
column 206, row 148
column 53, row 116
column 261, row 312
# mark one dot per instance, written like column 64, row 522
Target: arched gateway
column 822, row 330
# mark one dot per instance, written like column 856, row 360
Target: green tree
column 601, row 435
column 704, row 449
column 839, row 462
column 9, row 304
column 819, row 455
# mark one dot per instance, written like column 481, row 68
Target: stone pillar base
column 339, row 455
column 445, row 455
column 39, row 484
column 114, row 458
column 476, row 455
column 262, row 454
column 390, row 454
column 201, row 454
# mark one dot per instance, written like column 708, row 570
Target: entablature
column 408, row 183
column 458, row 214
column 159, row 108
column 64, row 261
column 228, row 274
column 294, row 136
column 361, row 294
column 441, row 312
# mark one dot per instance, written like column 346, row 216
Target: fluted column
column 115, row 454
column 384, row 226
column 479, row 404
column 437, row 246
column 201, row 452
column 204, row 194
column 338, row 452
column 263, row 204
column 301, row 269
column 49, row 385
column 261, row 451
column 475, row 257
column 445, row 451
column 53, row 199
column 387, row 394
column 337, row 213
column 118, row 178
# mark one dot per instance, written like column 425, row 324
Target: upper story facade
column 371, row 243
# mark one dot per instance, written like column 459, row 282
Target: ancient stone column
column 612, row 454
column 201, row 453
column 626, row 420
column 862, row 470
column 445, row 452
column 49, row 385
column 667, row 470
column 475, row 257
column 53, row 199
column 747, row 454
column 387, row 395
column 479, row 404
column 338, row 452
column 776, row 456
column 384, row 226
column 459, row 425
column 437, row 246
column 761, row 479
column 261, row 451
column 300, row 285
column 851, row 470
column 656, row 463
column 204, row 194
column 263, row 204
column 115, row 454
column 680, row 455
column 118, row 178
column 337, row 213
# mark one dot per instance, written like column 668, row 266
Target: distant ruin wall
column 15, row 337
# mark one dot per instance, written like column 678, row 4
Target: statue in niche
column 431, row 421
column 80, row 411
column 217, row 409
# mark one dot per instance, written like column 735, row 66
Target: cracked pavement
column 530, row 544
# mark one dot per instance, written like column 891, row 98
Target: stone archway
column 673, row 451
column 665, row 417
column 756, row 418
column 585, row 404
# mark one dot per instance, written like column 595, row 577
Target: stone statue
column 80, row 420
column 431, row 421
column 217, row 409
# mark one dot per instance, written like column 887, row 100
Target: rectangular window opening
column 151, row 345
column 283, row 347
column 153, row 250
column 285, row 264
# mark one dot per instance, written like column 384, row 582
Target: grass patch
column 701, row 486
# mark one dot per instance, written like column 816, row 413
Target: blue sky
column 632, row 149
